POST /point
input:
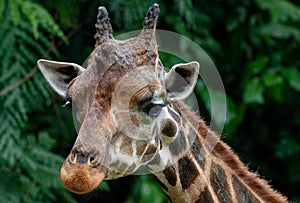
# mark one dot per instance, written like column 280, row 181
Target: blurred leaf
column 40, row 17
column 237, row 18
column 45, row 140
column 292, row 76
column 253, row 93
column 256, row 66
column 145, row 190
column 287, row 147
column 293, row 170
column 253, row 68
column 280, row 10
column 280, row 31
column 272, row 78
column 273, row 82
column 104, row 186
column 235, row 115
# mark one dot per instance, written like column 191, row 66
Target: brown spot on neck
column 219, row 183
column 188, row 172
column 205, row 197
column 170, row 174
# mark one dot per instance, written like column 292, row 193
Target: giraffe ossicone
column 131, row 114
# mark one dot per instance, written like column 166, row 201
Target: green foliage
column 29, row 170
column 18, row 9
column 292, row 76
column 255, row 46
column 145, row 190
column 130, row 15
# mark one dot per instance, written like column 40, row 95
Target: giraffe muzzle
column 81, row 173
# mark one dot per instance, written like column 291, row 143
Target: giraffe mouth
column 81, row 175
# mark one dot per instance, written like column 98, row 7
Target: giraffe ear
column 59, row 74
column 181, row 80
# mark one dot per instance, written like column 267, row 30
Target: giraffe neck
column 206, row 169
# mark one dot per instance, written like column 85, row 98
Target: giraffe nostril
column 73, row 158
column 91, row 160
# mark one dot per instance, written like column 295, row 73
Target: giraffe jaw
column 81, row 178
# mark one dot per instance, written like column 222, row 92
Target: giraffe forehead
column 136, row 85
column 129, row 54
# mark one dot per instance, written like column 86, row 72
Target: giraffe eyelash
column 68, row 104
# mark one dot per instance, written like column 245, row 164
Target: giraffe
column 131, row 115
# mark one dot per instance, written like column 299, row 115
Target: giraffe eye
column 153, row 110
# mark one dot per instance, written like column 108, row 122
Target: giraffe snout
column 81, row 172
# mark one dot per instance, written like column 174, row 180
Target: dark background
column 254, row 45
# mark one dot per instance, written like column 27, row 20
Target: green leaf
column 144, row 189
column 292, row 76
column 240, row 15
column 234, row 116
column 257, row 65
column 39, row 18
column 280, row 10
column 45, row 140
column 280, row 31
column 287, row 147
column 104, row 186
column 14, row 12
column 272, row 78
column 273, row 82
column 253, row 93
column 2, row 9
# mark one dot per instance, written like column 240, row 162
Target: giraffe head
column 120, row 101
